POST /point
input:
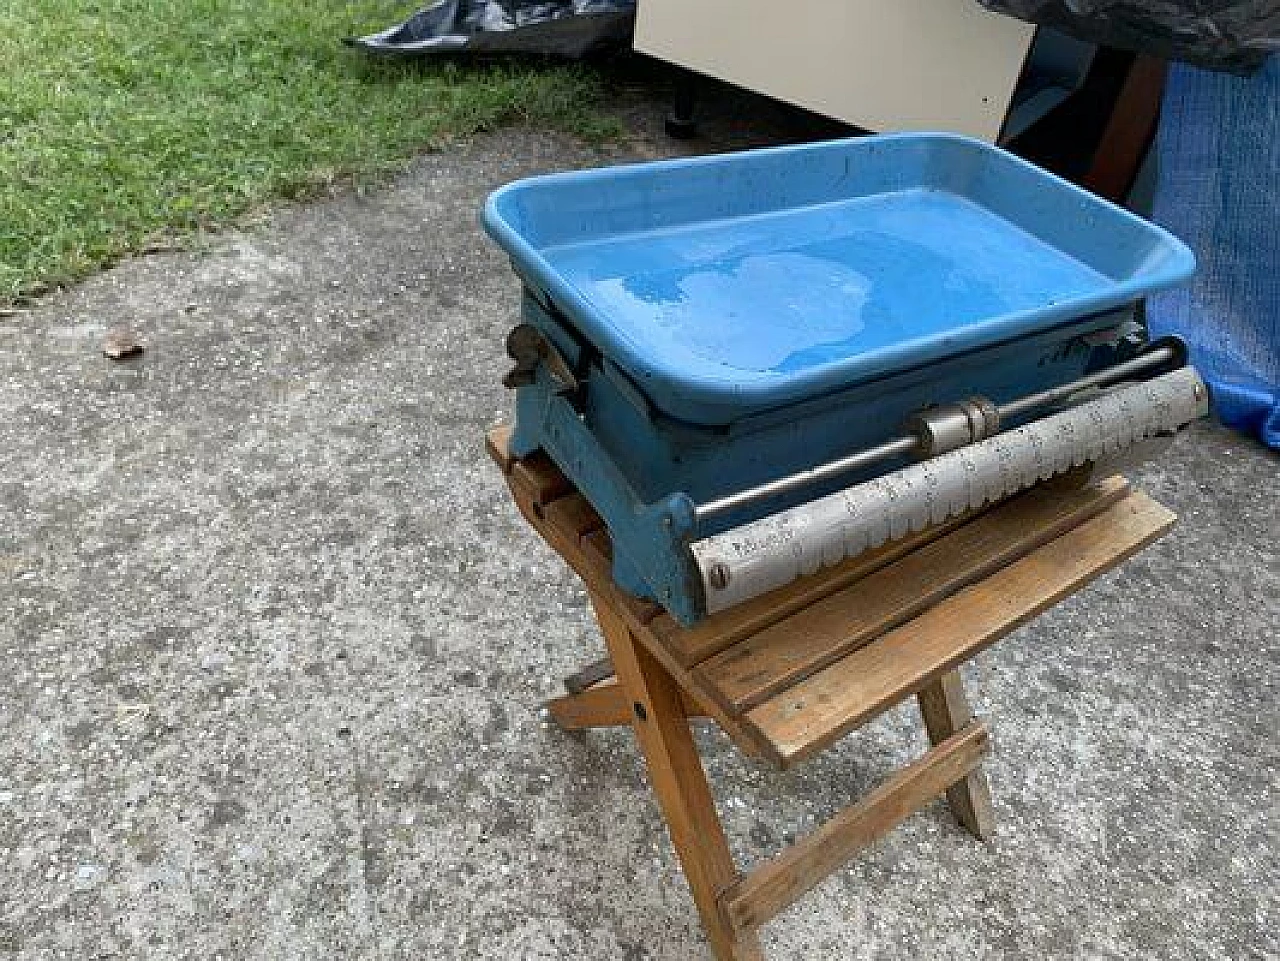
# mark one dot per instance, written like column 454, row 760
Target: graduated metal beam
column 774, row 550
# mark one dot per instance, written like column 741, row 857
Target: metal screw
column 718, row 575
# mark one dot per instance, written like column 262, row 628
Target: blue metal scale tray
column 704, row 326
column 731, row 284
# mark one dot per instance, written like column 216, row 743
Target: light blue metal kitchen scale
column 709, row 345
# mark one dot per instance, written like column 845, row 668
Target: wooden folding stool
column 787, row 674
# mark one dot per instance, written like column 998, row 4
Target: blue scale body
column 738, row 318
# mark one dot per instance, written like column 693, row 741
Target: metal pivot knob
column 529, row 347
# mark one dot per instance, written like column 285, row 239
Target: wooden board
column 811, row 715
column 946, row 711
column 792, row 649
column 498, row 444
column 589, row 676
column 710, row 636
column 574, row 514
column 542, row 478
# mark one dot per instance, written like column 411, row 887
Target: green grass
column 124, row 121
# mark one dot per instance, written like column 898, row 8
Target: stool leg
column 675, row 771
column 604, row 705
column 946, row 710
column 589, row 676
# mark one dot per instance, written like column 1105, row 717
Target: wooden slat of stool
column 789, row 650
column 573, row 514
column 692, row 645
column 540, row 474
column 816, row 712
column 526, row 491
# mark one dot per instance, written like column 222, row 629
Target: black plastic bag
column 1232, row 35
column 561, row 28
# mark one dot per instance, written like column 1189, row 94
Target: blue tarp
column 1218, row 188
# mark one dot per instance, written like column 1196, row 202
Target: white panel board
column 884, row 65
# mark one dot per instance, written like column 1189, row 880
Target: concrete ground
column 273, row 640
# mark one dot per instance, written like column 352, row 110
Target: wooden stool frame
column 788, row 674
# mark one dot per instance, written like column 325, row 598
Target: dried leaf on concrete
column 121, row 342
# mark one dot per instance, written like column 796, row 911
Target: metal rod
column 784, row 485
column 1143, row 362
column 910, row 444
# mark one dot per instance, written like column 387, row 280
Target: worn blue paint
column 737, row 318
